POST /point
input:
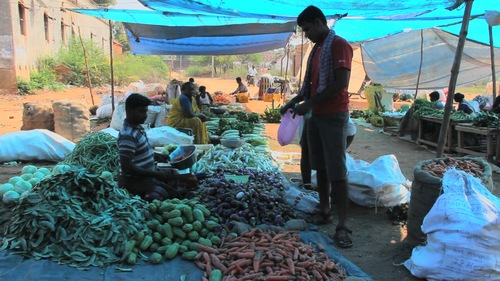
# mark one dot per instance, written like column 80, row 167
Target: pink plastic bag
column 288, row 127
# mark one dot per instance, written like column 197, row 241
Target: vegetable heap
column 487, row 119
column 175, row 227
column 11, row 191
column 97, row 152
column 439, row 167
column 258, row 201
column 74, row 218
column 426, row 108
column 259, row 255
column 233, row 159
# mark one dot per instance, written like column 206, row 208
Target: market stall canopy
column 394, row 61
column 244, row 22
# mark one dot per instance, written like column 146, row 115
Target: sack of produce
column 426, row 188
column 38, row 115
column 377, row 184
column 71, row 119
column 463, row 233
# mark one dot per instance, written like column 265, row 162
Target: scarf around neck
column 325, row 67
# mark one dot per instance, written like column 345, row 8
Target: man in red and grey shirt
column 325, row 97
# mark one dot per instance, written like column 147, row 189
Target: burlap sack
column 71, row 119
column 38, row 115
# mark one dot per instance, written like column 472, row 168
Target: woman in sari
column 186, row 114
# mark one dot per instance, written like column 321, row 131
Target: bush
column 149, row 69
column 73, row 58
column 45, row 79
column 198, row 71
column 24, row 86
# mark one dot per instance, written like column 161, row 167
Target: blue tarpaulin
column 215, row 18
column 220, row 27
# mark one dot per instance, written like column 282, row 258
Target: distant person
column 192, row 81
column 186, row 114
column 463, row 104
column 251, row 76
column 434, row 97
column 242, row 88
column 204, row 99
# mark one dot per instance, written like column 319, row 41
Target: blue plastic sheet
column 16, row 268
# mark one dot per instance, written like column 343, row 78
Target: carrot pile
column 439, row 167
column 259, row 255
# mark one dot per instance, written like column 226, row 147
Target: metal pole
column 453, row 79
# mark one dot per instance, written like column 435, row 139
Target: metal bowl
column 183, row 157
column 218, row 110
column 232, row 142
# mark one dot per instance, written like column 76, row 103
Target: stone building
column 31, row 29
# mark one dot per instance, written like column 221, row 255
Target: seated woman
column 463, row 104
column 186, row 114
column 203, row 98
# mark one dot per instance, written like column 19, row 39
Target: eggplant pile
column 259, row 201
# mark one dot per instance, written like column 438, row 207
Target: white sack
column 379, row 184
column 111, row 131
column 165, row 135
column 118, row 116
column 39, row 144
column 105, row 111
column 463, row 233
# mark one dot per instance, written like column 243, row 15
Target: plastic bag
column 463, row 233
column 288, row 127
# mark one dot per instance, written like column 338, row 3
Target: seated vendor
column 434, row 97
column 203, row 98
column 186, row 114
column 137, row 163
column 242, row 88
column 463, row 104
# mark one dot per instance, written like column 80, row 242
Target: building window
column 22, row 18
column 63, row 32
column 46, row 26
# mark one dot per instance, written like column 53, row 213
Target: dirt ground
column 378, row 249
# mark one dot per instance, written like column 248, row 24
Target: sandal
column 342, row 236
column 296, row 180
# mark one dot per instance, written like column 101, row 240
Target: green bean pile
column 97, row 152
column 75, row 218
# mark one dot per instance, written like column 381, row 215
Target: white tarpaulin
column 394, row 61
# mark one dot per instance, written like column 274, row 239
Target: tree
column 105, row 2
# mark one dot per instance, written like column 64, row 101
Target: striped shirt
column 133, row 143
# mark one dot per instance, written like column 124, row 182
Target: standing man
column 325, row 96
